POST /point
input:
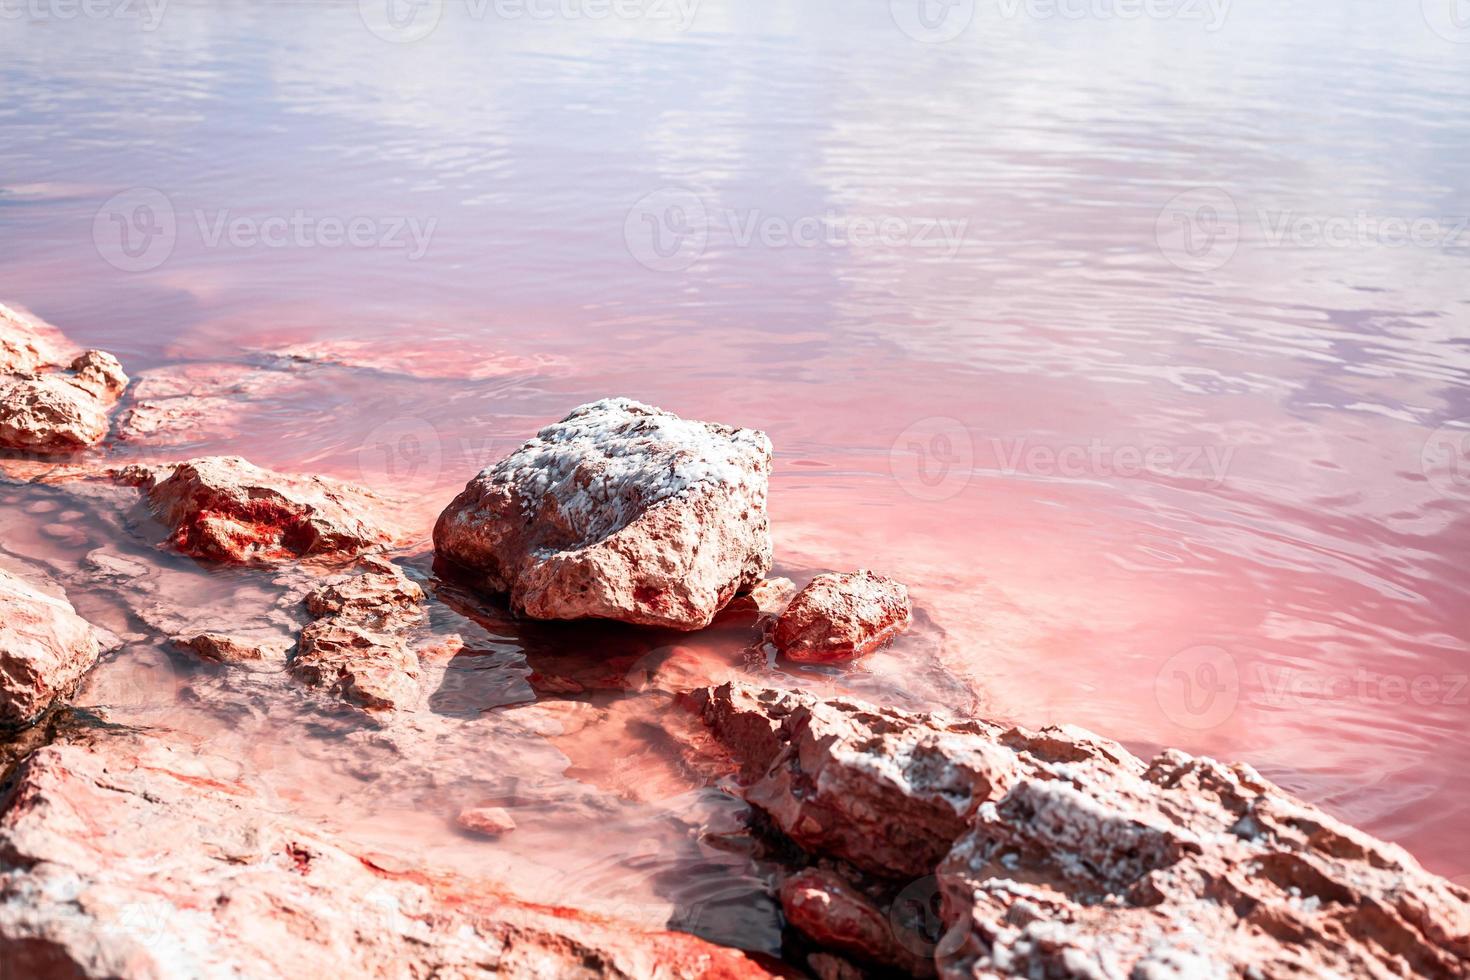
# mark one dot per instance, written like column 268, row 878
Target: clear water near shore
column 1055, row 321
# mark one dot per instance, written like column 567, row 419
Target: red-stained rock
column 126, row 858
column 487, row 821
column 45, row 648
column 842, row 617
column 236, row 648
column 358, row 648
column 1074, row 858
column 836, row 916
column 223, row 508
column 619, row 511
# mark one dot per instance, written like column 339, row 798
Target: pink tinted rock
column 29, row 344
column 52, row 402
column 619, row 511
column 126, row 857
column 223, row 508
column 45, row 648
column 835, row 916
column 1075, row 858
column 488, row 821
column 359, row 648
column 839, row 617
column 887, row 791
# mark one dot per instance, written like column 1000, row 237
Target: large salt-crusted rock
column 1068, row 856
column 619, row 511
column 126, row 858
column 842, row 617
column 358, row 647
column 225, row 509
column 52, row 399
column 45, row 648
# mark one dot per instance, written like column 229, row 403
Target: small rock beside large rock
column 839, row 617
column 619, row 511
column 45, row 648
column 223, row 508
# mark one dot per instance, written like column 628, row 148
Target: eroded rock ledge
column 126, row 858
column 223, row 508
column 1059, row 853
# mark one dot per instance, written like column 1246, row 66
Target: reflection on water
column 1137, row 348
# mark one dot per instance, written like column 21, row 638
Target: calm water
column 1139, row 347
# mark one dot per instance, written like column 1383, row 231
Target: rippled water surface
column 1139, row 348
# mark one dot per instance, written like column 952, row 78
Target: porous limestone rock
column 1059, row 853
column 619, row 511
column 45, row 648
column 52, row 400
column 840, row 617
column 223, row 508
column 358, row 647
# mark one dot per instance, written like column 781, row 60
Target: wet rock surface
column 1058, row 853
column 123, row 857
column 840, row 617
column 358, row 646
column 619, row 511
column 223, row 508
column 45, row 647
column 52, row 400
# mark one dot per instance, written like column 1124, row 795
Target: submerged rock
column 842, row 617
column 124, row 857
column 487, row 821
column 1058, row 853
column 28, row 344
column 45, row 648
column 223, row 508
column 358, row 647
column 619, row 511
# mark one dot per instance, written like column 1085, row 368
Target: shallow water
column 1138, row 348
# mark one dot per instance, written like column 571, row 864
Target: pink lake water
column 1138, row 347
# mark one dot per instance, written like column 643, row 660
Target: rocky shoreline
column 895, row 843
